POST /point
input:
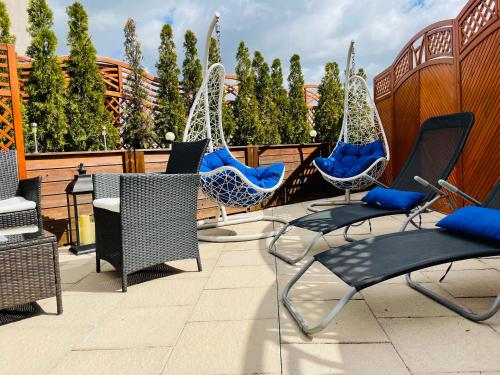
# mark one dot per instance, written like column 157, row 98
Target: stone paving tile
column 315, row 287
column 241, row 277
column 236, row 304
column 398, row 300
column 350, row 359
column 469, row 283
column 164, row 292
column 138, row 328
column 492, row 262
column 234, row 246
column 83, row 308
column 245, row 258
column 73, row 270
column 148, row 361
column 35, row 350
column 229, row 347
column 482, row 304
column 354, row 324
column 444, row 344
column 283, row 268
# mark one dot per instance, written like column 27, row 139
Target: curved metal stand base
column 306, row 327
column 329, row 202
column 239, row 237
column 274, row 251
column 476, row 317
column 332, row 202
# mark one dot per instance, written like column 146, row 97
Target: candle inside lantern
column 85, row 229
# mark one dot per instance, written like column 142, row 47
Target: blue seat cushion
column 265, row 177
column 478, row 222
column 348, row 160
column 392, row 198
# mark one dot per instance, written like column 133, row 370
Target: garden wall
column 449, row 66
column 57, row 170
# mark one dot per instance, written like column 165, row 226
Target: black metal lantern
column 80, row 186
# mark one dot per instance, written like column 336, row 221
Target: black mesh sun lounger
column 373, row 260
column 436, row 150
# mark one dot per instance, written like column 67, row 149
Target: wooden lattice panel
column 11, row 131
column 439, row 43
column 479, row 16
column 382, row 85
column 403, row 65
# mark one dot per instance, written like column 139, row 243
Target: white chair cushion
column 16, row 204
column 110, row 204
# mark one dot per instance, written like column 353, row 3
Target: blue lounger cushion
column 265, row 177
column 392, row 198
column 479, row 222
column 348, row 160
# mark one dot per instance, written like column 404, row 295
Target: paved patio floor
column 228, row 319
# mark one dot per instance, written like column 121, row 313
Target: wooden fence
column 115, row 74
column 301, row 183
column 449, row 66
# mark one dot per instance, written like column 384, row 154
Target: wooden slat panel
column 465, row 80
column 406, row 120
column 480, row 92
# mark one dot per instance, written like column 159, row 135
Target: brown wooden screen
column 11, row 130
column 449, row 66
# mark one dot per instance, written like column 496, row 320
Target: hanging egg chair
column 224, row 179
column 361, row 153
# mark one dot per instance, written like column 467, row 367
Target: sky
column 318, row 30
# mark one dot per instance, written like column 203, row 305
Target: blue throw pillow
column 473, row 221
column 392, row 198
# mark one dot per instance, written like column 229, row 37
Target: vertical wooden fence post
column 15, row 99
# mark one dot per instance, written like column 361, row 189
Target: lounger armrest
column 428, row 185
column 459, row 192
column 106, row 185
column 376, row 182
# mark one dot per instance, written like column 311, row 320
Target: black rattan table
column 29, row 268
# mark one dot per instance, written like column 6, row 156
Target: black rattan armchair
column 146, row 219
column 19, row 199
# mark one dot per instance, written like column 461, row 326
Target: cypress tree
column 213, row 52
column 281, row 118
column 5, row 35
column 297, row 105
column 228, row 122
column 45, row 85
column 361, row 73
column 269, row 130
column 246, row 107
column 170, row 115
column 328, row 114
column 85, row 109
column 138, row 125
column 191, row 70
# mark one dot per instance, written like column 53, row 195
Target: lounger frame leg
column 476, row 317
column 225, row 221
column 305, row 326
column 272, row 249
column 346, row 229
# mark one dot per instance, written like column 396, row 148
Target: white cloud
column 318, row 30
